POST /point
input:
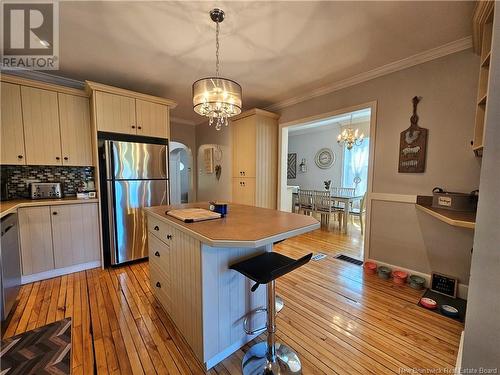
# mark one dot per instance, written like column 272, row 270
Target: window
column 355, row 167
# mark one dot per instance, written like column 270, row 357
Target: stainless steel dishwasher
column 10, row 264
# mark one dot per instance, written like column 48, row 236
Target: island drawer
column 159, row 254
column 160, row 229
column 160, row 284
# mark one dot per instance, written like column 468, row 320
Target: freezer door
column 129, row 217
column 138, row 161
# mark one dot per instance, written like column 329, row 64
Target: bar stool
column 270, row 357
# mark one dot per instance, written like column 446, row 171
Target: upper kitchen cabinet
column 44, row 124
column 41, row 126
column 12, row 134
column 255, row 158
column 127, row 112
column 74, row 121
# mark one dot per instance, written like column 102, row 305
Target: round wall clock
column 324, row 158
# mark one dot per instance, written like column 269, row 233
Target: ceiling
column 275, row 50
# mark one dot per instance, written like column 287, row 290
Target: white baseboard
column 219, row 357
column 462, row 288
column 458, row 364
column 59, row 272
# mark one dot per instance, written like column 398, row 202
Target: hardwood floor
column 339, row 320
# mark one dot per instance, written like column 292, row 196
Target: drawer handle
column 19, row 156
column 139, row 127
column 66, row 158
column 157, row 254
column 54, row 213
column 158, row 285
column 58, row 158
column 169, row 236
column 157, row 228
column 133, row 126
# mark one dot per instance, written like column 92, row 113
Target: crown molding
column 36, row 75
column 408, row 62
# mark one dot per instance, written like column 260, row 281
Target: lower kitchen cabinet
column 58, row 236
column 75, row 234
column 36, row 239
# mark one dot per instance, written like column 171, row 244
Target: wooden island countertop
column 243, row 226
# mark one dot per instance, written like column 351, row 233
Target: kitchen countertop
column 243, row 226
column 10, row 206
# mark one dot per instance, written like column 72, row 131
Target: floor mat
column 441, row 299
column 318, row 256
column 44, row 350
column 345, row 258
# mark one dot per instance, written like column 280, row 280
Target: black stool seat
column 267, row 267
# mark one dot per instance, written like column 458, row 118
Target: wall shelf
column 460, row 219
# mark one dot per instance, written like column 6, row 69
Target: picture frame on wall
column 208, row 160
column 291, row 172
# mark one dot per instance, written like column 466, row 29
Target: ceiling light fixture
column 215, row 97
column 350, row 137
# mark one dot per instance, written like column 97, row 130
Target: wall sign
column 208, row 160
column 443, row 284
column 413, row 145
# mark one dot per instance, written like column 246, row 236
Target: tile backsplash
column 18, row 177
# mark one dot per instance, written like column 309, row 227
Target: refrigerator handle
column 108, row 155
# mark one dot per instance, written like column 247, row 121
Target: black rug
column 345, row 258
column 441, row 299
column 44, row 350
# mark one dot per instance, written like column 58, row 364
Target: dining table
column 347, row 201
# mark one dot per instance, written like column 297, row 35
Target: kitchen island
column 190, row 275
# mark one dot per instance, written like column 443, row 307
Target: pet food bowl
column 428, row 303
column 450, row 311
column 417, row 282
column 399, row 277
column 384, row 272
column 370, row 268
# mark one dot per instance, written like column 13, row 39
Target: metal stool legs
column 279, row 304
column 270, row 357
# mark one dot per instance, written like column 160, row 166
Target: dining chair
column 360, row 212
column 306, row 200
column 324, row 205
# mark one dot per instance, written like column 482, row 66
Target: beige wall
column 186, row 134
column 448, row 86
column 209, row 188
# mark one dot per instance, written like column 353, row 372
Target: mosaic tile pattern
column 17, row 178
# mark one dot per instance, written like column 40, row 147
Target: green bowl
column 416, row 282
column 384, row 272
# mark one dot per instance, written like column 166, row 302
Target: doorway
column 314, row 164
column 181, row 178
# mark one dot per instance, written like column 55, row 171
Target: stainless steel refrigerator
column 136, row 176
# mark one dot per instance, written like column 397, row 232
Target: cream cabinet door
column 41, row 126
column 152, row 119
column 244, row 191
column 115, row 113
column 36, row 239
column 74, row 119
column 12, row 142
column 244, row 141
column 75, row 234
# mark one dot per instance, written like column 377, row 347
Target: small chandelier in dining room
column 215, row 97
column 350, row 137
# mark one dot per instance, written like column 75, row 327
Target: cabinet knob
column 19, row 156
column 133, row 126
column 169, row 236
column 157, row 254
column 139, row 127
column 54, row 213
column 66, row 158
column 58, row 158
column 157, row 228
column 158, row 284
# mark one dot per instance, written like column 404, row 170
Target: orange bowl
column 370, row 268
column 399, row 277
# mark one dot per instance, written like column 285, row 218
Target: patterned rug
column 44, row 350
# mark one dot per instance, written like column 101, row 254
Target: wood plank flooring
column 337, row 319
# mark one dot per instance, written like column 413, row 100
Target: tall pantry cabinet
column 255, row 158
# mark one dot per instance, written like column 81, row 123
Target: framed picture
column 208, row 160
column 291, row 171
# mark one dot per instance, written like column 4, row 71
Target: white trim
column 388, row 197
column 59, row 272
column 408, row 62
column 462, row 288
column 219, row 357
column 458, row 363
column 45, row 77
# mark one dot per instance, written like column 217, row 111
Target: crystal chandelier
column 350, row 137
column 215, row 97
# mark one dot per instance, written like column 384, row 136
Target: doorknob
column 157, row 228
column 169, row 236
column 157, row 254
column 158, row 285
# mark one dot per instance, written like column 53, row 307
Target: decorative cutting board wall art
column 413, row 145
